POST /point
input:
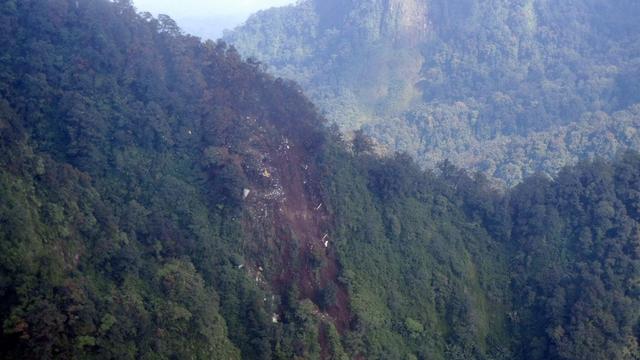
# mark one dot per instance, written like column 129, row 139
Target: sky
column 207, row 18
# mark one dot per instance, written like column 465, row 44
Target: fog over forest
column 332, row 180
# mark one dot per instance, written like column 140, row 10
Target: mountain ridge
column 161, row 198
column 523, row 70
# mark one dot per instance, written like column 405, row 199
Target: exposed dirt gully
column 288, row 198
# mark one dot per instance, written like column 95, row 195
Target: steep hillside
column 509, row 88
column 160, row 198
column 151, row 207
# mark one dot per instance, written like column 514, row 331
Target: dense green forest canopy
column 160, row 198
column 506, row 87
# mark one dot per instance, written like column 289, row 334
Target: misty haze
column 320, row 179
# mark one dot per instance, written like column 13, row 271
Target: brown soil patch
column 303, row 219
column 286, row 202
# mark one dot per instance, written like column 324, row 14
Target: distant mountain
column 506, row 87
column 161, row 198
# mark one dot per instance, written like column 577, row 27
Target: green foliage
column 576, row 262
column 125, row 231
column 422, row 275
column 506, row 88
column 120, row 186
column 441, row 266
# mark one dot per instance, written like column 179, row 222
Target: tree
column 361, row 143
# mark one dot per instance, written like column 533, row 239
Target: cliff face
column 377, row 20
column 407, row 21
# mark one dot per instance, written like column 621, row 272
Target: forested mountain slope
column 506, row 87
column 162, row 199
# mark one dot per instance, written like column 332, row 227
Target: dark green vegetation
column 506, row 87
column 162, row 199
